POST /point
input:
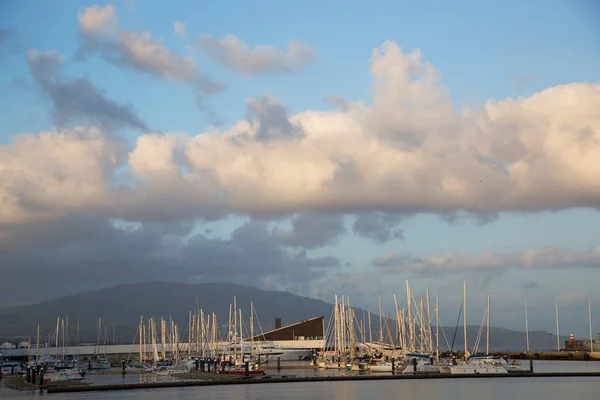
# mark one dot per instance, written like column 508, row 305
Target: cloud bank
column 408, row 152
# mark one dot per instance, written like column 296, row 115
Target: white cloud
column 408, row 152
column 233, row 53
column 57, row 173
column 541, row 258
column 136, row 50
column 97, row 20
column 180, row 28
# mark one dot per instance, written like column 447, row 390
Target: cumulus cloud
column 234, row 54
column 97, row 20
column 54, row 174
column 409, row 151
column 310, row 230
column 541, row 258
column 101, row 35
column 76, row 101
column 180, row 29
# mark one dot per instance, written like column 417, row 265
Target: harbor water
column 507, row 388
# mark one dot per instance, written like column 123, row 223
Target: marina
column 346, row 349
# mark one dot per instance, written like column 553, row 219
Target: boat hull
column 243, row 372
column 381, row 368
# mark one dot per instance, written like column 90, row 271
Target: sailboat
column 421, row 362
column 478, row 363
column 464, row 368
column 99, row 362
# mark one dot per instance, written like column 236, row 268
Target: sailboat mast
column 202, row 333
column 590, row 320
column 526, row 327
column 251, row 329
column 398, row 333
column 437, row 329
column 37, row 346
column 487, row 345
column 465, row 318
column 229, row 333
column 370, row 331
column 335, row 326
column 57, row 331
column 63, row 338
column 411, row 338
column 557, row 331
column 235, row 331
column 380, row 320
column 241, row 338
column 141, row 338
column 421, row 327
column 350, row 326
column 430, row 336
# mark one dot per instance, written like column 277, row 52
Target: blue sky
column 483, row 52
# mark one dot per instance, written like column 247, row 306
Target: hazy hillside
column 121, row 307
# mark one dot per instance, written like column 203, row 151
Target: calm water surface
column 480, row 388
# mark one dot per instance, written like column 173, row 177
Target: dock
column 296, row 379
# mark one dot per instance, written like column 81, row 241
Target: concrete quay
column 295, row 379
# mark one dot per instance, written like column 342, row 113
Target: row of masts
column 203, row 335
column 413, row 331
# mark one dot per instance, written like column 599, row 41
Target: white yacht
column 480, row 365
column 381, row 366
column 100, row 363
column 65, row 375
column 268, row 352
column 422, row 364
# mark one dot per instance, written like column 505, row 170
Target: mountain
column 120, row 308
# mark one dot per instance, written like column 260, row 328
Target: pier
column 295, row 379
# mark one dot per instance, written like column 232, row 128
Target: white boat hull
column 100, row 364
column 422, row 369
column 284, row 355
column 65, row 375
column 462, row 369
column 381, row 368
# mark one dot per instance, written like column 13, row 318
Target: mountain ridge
column 121, row 306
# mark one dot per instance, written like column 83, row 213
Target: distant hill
column 121, row 307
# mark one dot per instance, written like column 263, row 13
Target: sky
column 321, row 148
